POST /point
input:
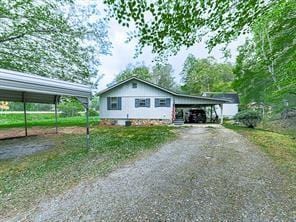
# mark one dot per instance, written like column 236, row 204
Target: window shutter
column 108, row 103
column 137, row 103
column 156, row 102
column 148, row 102
column 168, row 102
column 118, row 103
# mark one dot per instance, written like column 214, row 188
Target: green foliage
column 266, row 65
column 95, row 103
column 48, row 38
column 206, row 75
column 93, row 112
column 43, row 119
column 162, row 76
column 68, row 163
column 141, row 72
column 70, row 108
column 249, row 118
column 169, row 25
column 17, row 106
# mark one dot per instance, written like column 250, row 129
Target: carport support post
column 211, row 113
column 87, row 124
column 56, row 114
column 25, row 115
column 221, row 107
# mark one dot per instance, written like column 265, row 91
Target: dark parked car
column 196, row 116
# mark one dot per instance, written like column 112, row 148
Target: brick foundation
column 135, row 122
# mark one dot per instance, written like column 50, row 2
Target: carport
column 28, row 88
column 187, row 101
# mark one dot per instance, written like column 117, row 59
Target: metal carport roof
column 17, row 87
column 26, row 88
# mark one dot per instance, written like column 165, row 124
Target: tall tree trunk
column 269, row 61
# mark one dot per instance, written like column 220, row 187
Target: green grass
column 279, row 146
column 17, row 120
column 23, row 182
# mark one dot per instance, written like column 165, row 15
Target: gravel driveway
column 208, row 174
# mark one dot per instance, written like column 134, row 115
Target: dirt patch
column 41, row 131
column 20, row 147
column 24, row 146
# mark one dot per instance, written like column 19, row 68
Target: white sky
column 122, row 54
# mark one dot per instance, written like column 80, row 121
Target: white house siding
column 229, row 110
column 128, row 109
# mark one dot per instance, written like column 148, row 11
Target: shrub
column 249, row 118
column 70, row 108
column 93, row 112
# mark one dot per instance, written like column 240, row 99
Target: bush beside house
column 249, row 118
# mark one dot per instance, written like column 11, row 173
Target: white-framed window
column 142, row 102
column 114, row 103
column 163, row 102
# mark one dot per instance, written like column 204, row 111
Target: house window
column 134, row 85
column 114, row 103
column 162, row 102
column 142, row 102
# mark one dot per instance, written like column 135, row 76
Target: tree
column 169, row 25
column 162, row 76
column 266, row 66
column 206, row 75
column 139, row 71
column 48, row 39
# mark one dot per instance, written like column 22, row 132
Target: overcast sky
column 123, row 54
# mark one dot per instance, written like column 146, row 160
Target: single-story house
column 230, row 107
column 143, row 102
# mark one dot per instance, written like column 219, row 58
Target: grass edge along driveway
column 280, row 147
column 23, row 182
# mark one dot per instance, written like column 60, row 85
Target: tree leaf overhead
column 42, row 37
column 169, row 25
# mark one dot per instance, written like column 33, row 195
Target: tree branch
column 12, row 38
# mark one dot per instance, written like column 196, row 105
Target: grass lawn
column 280, row 147
column 17, row 120
column 24, row 181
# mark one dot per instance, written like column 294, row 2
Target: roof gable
column 131, row 79
column 158, row 87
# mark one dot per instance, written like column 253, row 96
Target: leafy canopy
column 206, row 75
column 160, row 74
column 140, row 71
column 266, row 66
column 48, row 38
column 167, row 25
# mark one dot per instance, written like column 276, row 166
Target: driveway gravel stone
column 207, row 174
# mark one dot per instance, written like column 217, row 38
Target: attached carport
column 28, row 88
column 187, row 101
